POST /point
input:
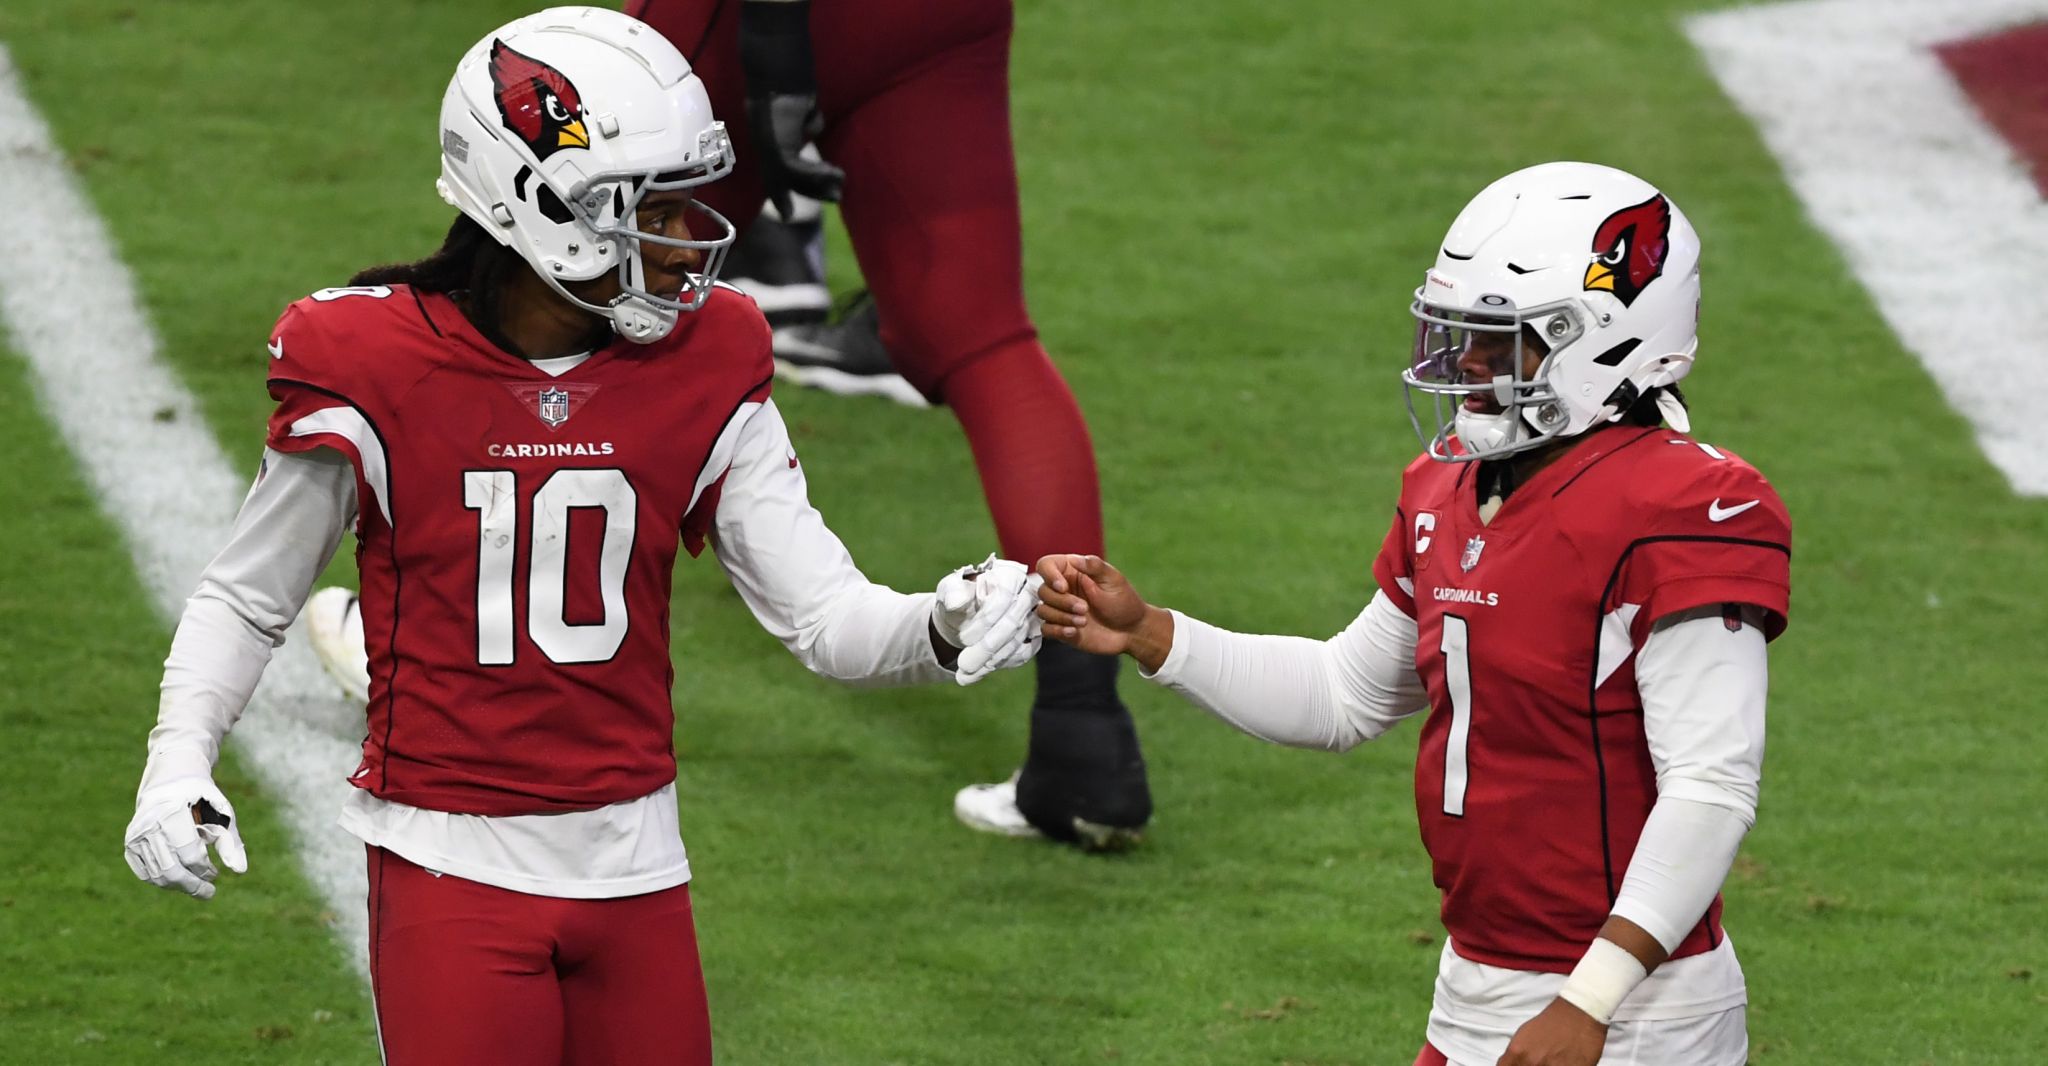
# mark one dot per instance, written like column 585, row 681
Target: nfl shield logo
column 1471, row 557
column 553, row 407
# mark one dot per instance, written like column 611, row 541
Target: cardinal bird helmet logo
column 537, row 102
column 1629, row 249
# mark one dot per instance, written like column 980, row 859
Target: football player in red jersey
column 908, row 100
column 522, row 429
column 1579, row 593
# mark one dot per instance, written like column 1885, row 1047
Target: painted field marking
column 1934, row 212
column 70, row 308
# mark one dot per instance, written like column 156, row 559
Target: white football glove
column 167, row 848
column 988, row 611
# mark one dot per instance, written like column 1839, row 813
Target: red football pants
column 1430, row 1056
column 916, row 98
column 464, row 973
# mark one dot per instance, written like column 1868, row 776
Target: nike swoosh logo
column 276, row 348
column 1718, row 513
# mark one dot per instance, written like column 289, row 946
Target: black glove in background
column 782, row 100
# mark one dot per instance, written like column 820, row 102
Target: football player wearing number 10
column 522, row 429
column 1579, row 593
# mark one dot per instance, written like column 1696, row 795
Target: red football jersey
column 516, row 536
column 1533, row 777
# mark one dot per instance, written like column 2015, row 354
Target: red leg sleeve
column 1031, row 446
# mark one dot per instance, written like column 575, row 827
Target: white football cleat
column 334, row 625
column 993, row 809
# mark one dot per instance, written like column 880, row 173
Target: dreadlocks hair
column 468, row 261
column 1644, row 412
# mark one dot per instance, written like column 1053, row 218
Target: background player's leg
column 707, row 32
column 461, row 972
column 780, row 262
column 931, row 206
column 777, row 261
column 1083, row 760
column 632, row 986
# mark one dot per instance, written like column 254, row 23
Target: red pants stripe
column 464, row 973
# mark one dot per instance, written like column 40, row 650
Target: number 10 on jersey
column 494, row 494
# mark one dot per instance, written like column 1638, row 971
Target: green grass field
column 1226, row 206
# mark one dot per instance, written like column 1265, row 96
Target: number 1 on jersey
column 494, row 494
column 1457, row 649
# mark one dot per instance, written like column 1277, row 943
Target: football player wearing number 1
column 1579, row 593
column 522, row 429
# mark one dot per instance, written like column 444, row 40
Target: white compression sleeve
column 1332, row 694
column 799, row 580
column 1703, row 687
column 288, row 528
column 1680, row 861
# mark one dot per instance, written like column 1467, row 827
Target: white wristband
column 1605, row 975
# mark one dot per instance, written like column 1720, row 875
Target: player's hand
column 1562, row 1035
column 986, row 611
column 782, row 101
column 174, row 824
column 782, row 125
column 1087, row 603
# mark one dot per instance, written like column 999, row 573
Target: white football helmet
column 1600, row 264
column 553, row 128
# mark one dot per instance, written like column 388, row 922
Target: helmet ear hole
column 551, row 206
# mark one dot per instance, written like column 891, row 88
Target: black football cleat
column 782, row 266
column 845, row 357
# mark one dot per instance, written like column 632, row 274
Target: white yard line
column 70, row 308
column 1934, row 212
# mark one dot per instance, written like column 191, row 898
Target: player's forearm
column 1275, row 688
column 803, row 588
column 873, row 636
column 799, row 580
column 215, row 661
column 1329, row 695
column 1680, row 861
